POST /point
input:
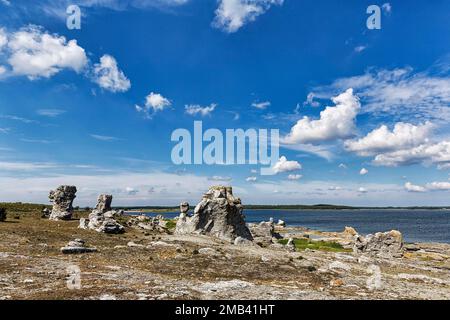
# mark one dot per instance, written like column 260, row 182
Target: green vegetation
column 171, row 224
column 19, row 207
column 302, row 244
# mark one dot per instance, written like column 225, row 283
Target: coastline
column 144, row 264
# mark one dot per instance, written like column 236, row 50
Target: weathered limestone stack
column 184, row 208
column 219, row 214
column 62, row 199
column 383, row 245
column 101, row 218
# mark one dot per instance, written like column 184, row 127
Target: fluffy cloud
column 154, row 102
column 283, row 165
column 157, row 102
column 400, row 93
column 34, row 53
column 414, row 188
column 261, row 105
column 337, row 122
column 363, row 171
column 197, row 109
column 294, row 177
column 251, row 179
column 403, row 136
column 231, row 15
column 108, row 76
column 432, row 153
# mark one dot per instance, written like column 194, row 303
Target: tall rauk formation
column 62, row 199
column 219, row 214
column 101, row 219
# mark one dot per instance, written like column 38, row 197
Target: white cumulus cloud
column 108, row 75
column 154, row 102
column 283, row 165
column 363, row 171
column 432, row 153
column 34, row 53
column 337, row 122
column 403, row 136
column 231, row 15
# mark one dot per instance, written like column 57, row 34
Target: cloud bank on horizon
column 375, row 133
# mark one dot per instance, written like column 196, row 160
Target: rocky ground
column 155, row 265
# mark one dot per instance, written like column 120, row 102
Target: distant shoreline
column 163, row 209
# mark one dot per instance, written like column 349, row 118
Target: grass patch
column 330, row 246
column 171, row 224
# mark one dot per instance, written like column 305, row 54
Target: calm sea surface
column 416, row 225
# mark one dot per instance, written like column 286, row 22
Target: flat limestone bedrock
column 219, row 214
column 62, row 199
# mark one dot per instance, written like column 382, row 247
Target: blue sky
column 96, row 107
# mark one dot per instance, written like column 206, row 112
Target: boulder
column 77, row 246
column 2, row 214
column 384, row 245
column 45, row 213
column 219, row 214
column 146, row 223
column 101, row 219
column 349, row 232
column 62, row 199
column 264, row 232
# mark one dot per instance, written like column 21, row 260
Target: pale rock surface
column 219, row 215
column 62, row 199
column 384, row 245
column 77, row 246
column 264, row 232
column 102, row 217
